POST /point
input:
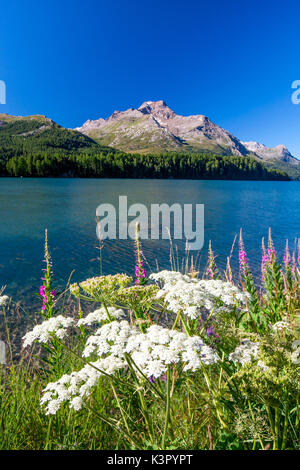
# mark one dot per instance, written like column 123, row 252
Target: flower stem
column 167, row 415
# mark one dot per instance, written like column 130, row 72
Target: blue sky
column 232, row 60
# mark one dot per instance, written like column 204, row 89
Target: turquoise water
column 67, row 208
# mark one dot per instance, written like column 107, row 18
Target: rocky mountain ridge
column 155, row 128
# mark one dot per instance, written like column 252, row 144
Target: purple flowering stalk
column 290, row 272
column 247, row 281
column 228, row 271
column 46, row 292
column 211, row 332
column 296, row 259
column 287, row 256
column 273, row 281
column 271, row 248
column 243, row 262
column 140, row 271
column 289, row 263
column 265, row 260
column 154, row 380
column 298, row 254
column 212, row 270
column 293, row 269
column 269, row 258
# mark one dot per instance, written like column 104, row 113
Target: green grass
column 24, row 425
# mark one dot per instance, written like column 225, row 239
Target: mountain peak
column 280, row 152
column 254, row 146
column 159, row 103
column 154, row 128
column 157, row 108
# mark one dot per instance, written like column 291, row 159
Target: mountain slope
column 154, row 127
column 275, row 157
column 37, row 134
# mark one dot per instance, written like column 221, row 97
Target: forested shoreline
column 120, row 165
column 38, row 147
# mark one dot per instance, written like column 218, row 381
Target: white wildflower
column 159, row 347
column 246, row 352
column 281, row 326
column 4, row 299
column 100, row 315
column 74, row 387
column 152, row 352
column 169, row 277
column 52, row 407
column 76, row 403
column 111, row 335
column 43, row 332
column 191, row 295
column 262, row 366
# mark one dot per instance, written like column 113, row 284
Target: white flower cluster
column 77, row 385
column 111, row 338
column 4, row 299
column 152, row 352
column 43, row 332
column 282, row 326
column 246, row 352
column 159, row 347
column 100, row 315
column 190, row 295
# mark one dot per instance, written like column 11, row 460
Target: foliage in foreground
column 169, row 362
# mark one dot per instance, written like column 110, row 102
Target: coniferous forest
column 120, row 165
